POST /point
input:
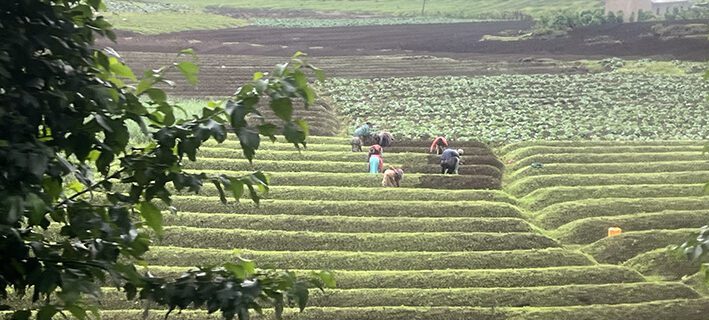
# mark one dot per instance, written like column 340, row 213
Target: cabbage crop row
column 606, row 106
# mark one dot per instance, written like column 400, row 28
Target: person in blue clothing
column 450, row 161
column 375, row 160
column 364, row 133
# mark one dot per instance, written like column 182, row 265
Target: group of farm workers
column 450, row 158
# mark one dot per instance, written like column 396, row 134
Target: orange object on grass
column 614, row 231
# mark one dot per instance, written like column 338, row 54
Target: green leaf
column 21, row 315
column 236, row 187
column 157, row 95
column 121, row 69
column 268, row 130
column 706, row 188
column 328, row 279
column 189, row 70
column 152, row 216
column 37, row 208
column 283, row 108
column 145, row 84
column 250, row 141
column 47, row 312
column 52, row 187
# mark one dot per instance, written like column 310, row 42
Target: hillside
column 535, row 249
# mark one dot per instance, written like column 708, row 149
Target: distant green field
column 452, row 8
column 167, row 21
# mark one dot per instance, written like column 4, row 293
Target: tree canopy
column 81, row 203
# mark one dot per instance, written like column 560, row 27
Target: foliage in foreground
column 64, row 144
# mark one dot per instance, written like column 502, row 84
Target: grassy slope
column 164, row 22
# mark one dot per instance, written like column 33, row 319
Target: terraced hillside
column 654, row 191
column 422, row 253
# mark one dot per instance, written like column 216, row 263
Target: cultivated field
column 607, row 106
column 522, row 232
column 535, row 249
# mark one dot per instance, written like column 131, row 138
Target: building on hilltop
column 656, row 7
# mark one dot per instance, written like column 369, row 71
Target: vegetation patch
column 480, row 209
column 581, row 148
column 542, row 107
column 630, row 244
column 589, row 230
column 542, row 198
column 338, row 260
column 507, row 278
column 170, row 21
column 607, row 158
column 188, row 237
column 664, row 263
column 288, row 222
column 524, row 186
column 686, row 309
column 611, row 168
column 572, row 295
column 559, row 214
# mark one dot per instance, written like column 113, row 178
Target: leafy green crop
column 506, row 108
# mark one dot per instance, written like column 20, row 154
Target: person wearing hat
column 450, row 161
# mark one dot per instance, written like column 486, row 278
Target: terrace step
column 338, row 260
column 606, row 158
column 560, row 214
column 589, row 230
column 327, row 166
column 411, row 180
column 358, row 157
column 465, row 278
column 631, row 244
column 524, row 186
column 431, row 209
column 345, row 224
column 522, row 153
column 611, row 168
column 188, row 237
column 570, row 144
column 314, row 193
column 544, row 197
column 559, row 296
column 685, row 309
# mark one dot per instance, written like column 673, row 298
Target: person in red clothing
column 439, row 144
column 375, row 160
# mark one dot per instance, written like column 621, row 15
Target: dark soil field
column 460, row 41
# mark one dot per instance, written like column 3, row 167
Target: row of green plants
column 430, row 208
column 660, row 310
column 508, row 108
column 343, row 260
column 486, row 297
column 188, row 237
column 502, row 278
column 345, row 224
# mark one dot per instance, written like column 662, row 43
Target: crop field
column 606, row 106
column 445, row 8
column 530, row 248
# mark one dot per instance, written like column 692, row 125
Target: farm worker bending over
column 376, row 163
column 384, row 139
column 450, row 161
column 439, row 144
column 392, row 177
column 364, row 132
column 356, row 144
